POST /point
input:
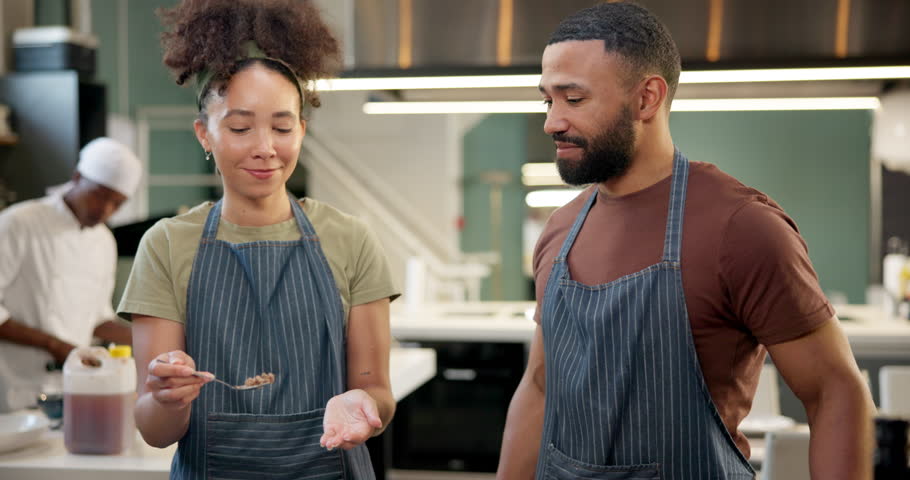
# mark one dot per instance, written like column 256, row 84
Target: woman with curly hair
column 259, row 283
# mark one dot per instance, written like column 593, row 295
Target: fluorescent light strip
column 759, row 104
column 550, row 198
column 681, row 105
column 541, row 181
column 454, row 107
column 539, row 169
column 794, row 74
column 540, row 175
column 532, row 80
column 419, row 83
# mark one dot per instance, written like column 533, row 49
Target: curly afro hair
column 212, row 34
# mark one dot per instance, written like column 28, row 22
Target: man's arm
column 114, row 331
column 821, row 371
column 15, row 332
column 111, row 329
column 524, row 423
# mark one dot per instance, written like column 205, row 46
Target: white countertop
column 870, row 332
column 409, row 368
column 466, row 322
column 49, row 460
column 874, row 334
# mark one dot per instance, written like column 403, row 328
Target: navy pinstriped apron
column 266, row 306
column 625, row 396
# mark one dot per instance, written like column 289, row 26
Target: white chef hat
column 110, row 163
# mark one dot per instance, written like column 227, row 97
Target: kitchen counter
column 465, row 322
column 409, row 368
column 870, row 331
column 48, row 459
column 873, row 334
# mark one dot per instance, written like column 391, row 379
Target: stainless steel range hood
column 483, row 37
column 470, row 35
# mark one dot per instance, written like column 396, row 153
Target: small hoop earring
column 208, row 156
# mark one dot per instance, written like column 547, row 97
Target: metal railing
column 432, row 272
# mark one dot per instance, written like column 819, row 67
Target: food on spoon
column 262, row 379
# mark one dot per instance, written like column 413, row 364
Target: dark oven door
column 455, row 421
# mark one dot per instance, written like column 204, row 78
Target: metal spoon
column 212, row 377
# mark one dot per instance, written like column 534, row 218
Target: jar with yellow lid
column 99, row 394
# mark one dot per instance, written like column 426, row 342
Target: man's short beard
column 606, row 157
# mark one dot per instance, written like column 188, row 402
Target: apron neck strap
column 303, row 223
column 210, row 230
column 676, row 209
column 673, row 235
column 576, row 227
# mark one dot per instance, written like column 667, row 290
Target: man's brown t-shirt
column 746, row 272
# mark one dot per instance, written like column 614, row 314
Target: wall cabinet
column 54, row 114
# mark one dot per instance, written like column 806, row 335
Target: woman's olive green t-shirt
column 158, row 283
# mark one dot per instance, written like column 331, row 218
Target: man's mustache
column 577, row 141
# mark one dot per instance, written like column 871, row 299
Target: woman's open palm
column 350, row 419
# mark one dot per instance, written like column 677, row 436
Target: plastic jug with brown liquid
column 98, row 398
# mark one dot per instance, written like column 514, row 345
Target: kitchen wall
column 51, row 12
column 494, row 151
column 815, row 164
column 417, row 157
column 129, row 64
column 13, row 14
column 129, row 56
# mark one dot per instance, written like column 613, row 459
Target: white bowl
column 18, row 430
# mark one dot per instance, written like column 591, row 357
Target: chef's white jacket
column 54, row 276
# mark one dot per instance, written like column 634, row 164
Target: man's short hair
column 632, row 32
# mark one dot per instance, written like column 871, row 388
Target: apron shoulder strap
column 576, row 227
column 210, row 231
column 673, row 235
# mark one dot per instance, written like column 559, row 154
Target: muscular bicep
column 765, row 267
column 814, row 361
column 369, row 342
column 153, row 336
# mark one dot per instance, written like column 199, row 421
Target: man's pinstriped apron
column 625, row 396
